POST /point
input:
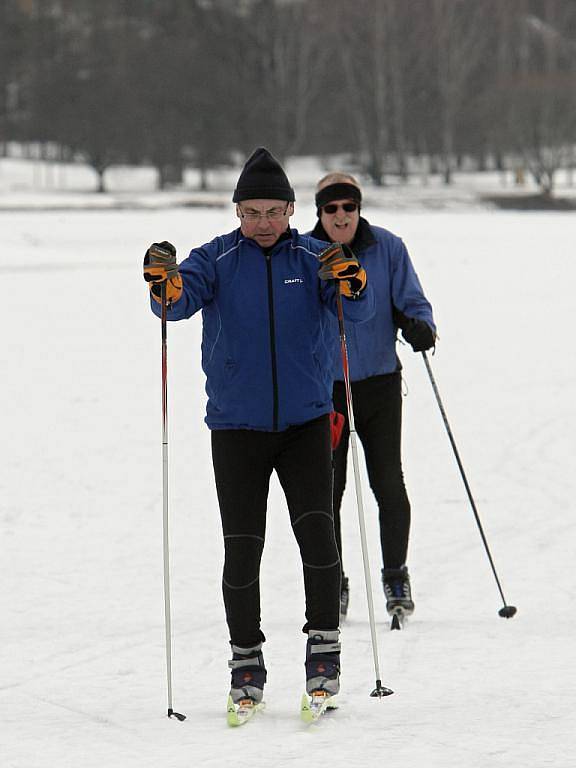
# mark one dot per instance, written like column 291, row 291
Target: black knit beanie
column 262, row 178
column 338, row 191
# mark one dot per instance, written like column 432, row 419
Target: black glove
column 416, row 332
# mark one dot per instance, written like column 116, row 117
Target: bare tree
column 456, row 46
column 545, row 123
column 275, row 60
column 400, row 68
column 12, row 69
column 361, row 41
column 175, row 83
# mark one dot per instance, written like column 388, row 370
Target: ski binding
column 314, row 706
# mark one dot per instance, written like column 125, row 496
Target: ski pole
column 380, row 690
column 165, row 537
column 507, row 611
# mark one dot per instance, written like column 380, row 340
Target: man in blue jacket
column 375, row 374
column 267, row 295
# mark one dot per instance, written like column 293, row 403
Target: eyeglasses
column 333, row 207
column 272, row 215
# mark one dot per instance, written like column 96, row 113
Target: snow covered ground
column 81, row 632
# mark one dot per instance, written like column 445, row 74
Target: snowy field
column 82, row 626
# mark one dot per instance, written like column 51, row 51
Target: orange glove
column 338, row 262
column 160, row 267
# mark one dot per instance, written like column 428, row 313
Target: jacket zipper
column 272, row 345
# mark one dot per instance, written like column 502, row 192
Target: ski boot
column 399, row 603
column 247, row 683
column 248, row 674
column 322, row 673
column 344, row 597
column 323, row 661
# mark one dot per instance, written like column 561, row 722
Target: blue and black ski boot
column 323, row 661
column 248, row 674
column 396, row 583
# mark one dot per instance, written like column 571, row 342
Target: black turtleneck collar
column 362, row 239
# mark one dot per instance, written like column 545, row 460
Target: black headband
column 340, row 191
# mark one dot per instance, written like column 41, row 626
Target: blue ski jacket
column 393, row 279
column 267, row 333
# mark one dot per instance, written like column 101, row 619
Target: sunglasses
column 333, row 207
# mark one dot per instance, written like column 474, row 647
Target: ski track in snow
column 82, row 634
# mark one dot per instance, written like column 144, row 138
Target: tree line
column 400, row 86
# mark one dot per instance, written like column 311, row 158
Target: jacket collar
column 286, row 235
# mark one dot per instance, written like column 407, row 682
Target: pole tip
column 177, row 715
column 507, row 612
column 381, row 690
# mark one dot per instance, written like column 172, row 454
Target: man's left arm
column 412, row 312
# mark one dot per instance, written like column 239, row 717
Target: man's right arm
column 190, row 286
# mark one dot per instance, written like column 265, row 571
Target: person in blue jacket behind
column 375, row 374
column 267, row 295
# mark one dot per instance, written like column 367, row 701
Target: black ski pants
column 243, row 464
column 377, row 403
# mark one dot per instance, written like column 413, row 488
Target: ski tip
column 306, row 714
column 231, row 716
